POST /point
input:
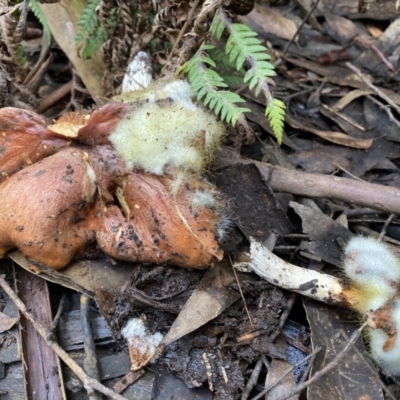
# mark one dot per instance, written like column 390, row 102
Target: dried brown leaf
column 6, row 323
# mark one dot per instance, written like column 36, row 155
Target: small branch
column 385, row 108
column 300, row 27
column 88, row 383
column 272, row 385
column 252, row 382
column 382, row 57
column 90, row 362
column 354, row 337
column 57, row 317
column 385, row 226
column 373, row 87
column 180, row 35
column 54, row 97
column 378, row 197
column 241, row 293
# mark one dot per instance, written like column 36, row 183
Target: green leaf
column 92, row 33
column 245, row 53
column 206, row 83
column 218, row 25
column 275, row 113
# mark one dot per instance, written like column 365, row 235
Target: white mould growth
column 373, row 269
column 166, row 128
column 142, row 344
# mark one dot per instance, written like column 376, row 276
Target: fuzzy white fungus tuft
column 142, row 344
column 375, row 272
column 374, row 269
column 166, row 128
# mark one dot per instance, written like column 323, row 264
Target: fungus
column 371, row 287
column 24, row 140
column 142, row 345
column 46, row 209
column 126, row 178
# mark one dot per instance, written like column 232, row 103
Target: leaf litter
column 335, row 125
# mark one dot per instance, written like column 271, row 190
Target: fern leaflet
column 243, row 46
column 205, row 82
column 246, row 51
column 92, row 33
column 275, row 113
column 37, row 11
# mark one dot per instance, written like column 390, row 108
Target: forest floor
column 230, row 334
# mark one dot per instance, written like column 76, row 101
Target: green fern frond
column 275, row 113
column 218, row 24
column 206, row 82
column 222, row 60
column 223, row 103
column 37, row 11
column 247, row 53
column 232, row 79
column 98, row 37
column 92, row 33
column 243, row 46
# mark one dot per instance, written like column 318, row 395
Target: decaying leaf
column 210, row 298
column 6, row 322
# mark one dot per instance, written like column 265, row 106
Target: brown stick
column 378, row 197
column 53, row 97
column 88, row 383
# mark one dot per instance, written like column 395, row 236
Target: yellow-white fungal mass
column 374, row 270
column 166, row 128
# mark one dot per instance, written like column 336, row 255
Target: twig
column 372, row 369
column 373, row 87
column 367, row 231
column 300, row 27
column 148, row 301
column 385, row 108
column 348, row 173
column 90, row 362
column 88, row 383
column 127, row 380
column 284, row 316
column 385, row 226
column 57, row 317
column 181, row 33
column 252, row 382
column 241, row 293
column 54, row 97
column 379, row 197
column 382, row 57
column 272, row 385
column 343, row 117
column 355, row 335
